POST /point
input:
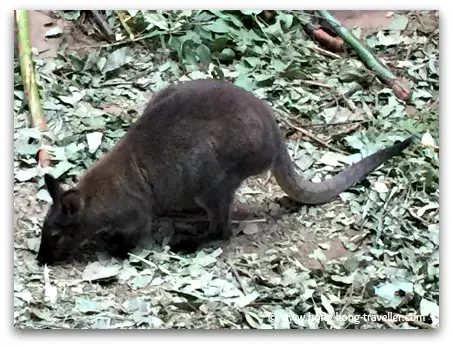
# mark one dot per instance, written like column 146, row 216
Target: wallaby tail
column 311, row 193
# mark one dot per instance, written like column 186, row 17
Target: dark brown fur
column 193, row 146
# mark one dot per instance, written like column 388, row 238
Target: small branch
column 187, row 217
column 355, row 88
column 233, row 269
column 313, row 137
column 315, row 83
column 349, row 294
column 414, row 215
column 434, row 148
column 147, row 262
column 325, row 52
column 268, row 178
column 113, row 84
column 349, row 103
column 324, row 125
column 343, row 133
column 258, row 220
column 359, row 238
column 118, row 43
column 103, row 26
column 124, row 24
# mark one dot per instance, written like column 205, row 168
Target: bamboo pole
column 400, row 89
column 29, row 79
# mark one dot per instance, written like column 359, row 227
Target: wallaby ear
column 71, row 202
column 53, row 186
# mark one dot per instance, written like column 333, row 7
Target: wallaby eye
column 56, row 234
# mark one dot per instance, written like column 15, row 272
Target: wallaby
column 192, row 147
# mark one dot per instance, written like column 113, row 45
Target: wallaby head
column 110, row 205
column 61, row 231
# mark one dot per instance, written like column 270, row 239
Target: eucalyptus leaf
column 204, row 54
column 219, row 26
column 54, row 32
column 96, row 271
column 116, row 59
column 26, row 174
column 87, row 306
column 245, row 82
column 250, row 12
column 71, row 15
column 155, row 19
column 94, row 141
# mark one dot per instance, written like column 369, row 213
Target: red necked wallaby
column 192, row 147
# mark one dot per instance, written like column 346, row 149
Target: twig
column 103, row 26
column 325, row 52
column 335, row 100
column 113, row 84
column 336, row 124
column 348, row 103
column 409, row 51
column 358, row 239
column 182, row 217
column 170, row 256
column 124, row 24
column 313, row 137
column 342, row 134
column 268, row 177
column 348, row 300
column 259, row 220
column 355, row 88
column 362, row 293
column 237, row 277
column 421, row 220
column 434, row 148
column 137, row 39
column 147, row 262
column 315, row 83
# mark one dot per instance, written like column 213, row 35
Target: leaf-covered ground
column 370, row 259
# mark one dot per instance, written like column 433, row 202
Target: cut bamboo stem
column 36, row 114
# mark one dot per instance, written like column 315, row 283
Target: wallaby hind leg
column 217, row 203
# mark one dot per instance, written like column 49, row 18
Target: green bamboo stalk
column 29, row 80
column 399, row 88
column 27, row 71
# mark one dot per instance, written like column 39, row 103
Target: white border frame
column 210, row 337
